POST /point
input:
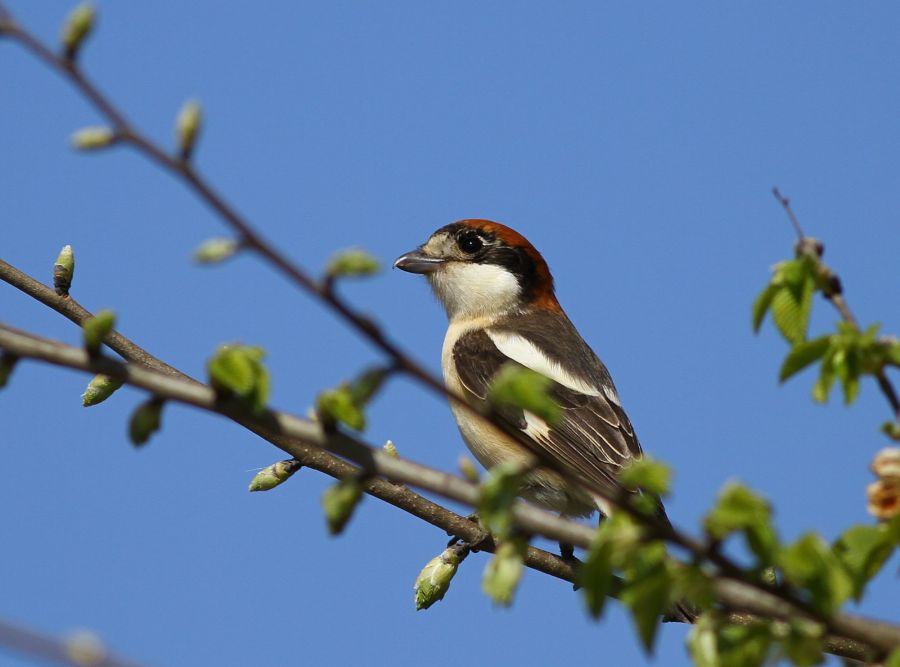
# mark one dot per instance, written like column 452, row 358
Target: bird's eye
column 470, row 243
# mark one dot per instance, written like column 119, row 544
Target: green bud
column 434, row 580
column 468, row 469
column 352, row 263
column 187, row 127
column 238, row 369
column 76, row 28
column 270, row 477
column 504, row 571
column 145, row 421
column 215, row 250
column 521, row 387
column 96, row 329
column 339, row 501
column 7, row 364
column 99, row 389
column 92, row 138
column 84, row 648
column 391, row 450
column 63, row 270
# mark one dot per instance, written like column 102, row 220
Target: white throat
column 475, row 290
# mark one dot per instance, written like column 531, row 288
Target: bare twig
column 835, row 295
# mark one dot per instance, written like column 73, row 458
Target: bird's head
column 480, row 268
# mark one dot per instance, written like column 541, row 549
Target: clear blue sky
column 635, row 145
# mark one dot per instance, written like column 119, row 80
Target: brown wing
column 594, row 436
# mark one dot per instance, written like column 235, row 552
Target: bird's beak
column 416, row 261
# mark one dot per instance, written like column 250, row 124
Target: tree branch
column 733, row 593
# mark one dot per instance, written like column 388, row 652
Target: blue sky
column 634, row 145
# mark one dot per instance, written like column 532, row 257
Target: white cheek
column 468, row 290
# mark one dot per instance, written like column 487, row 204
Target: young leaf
column 802, row 355
column 809, row 563
column 96, row 329
column 739, row 509
column 337, row 405
column 504, row 571
column 352, row 263
column 271, row 476
column 762, row 303
column 339, row 501
column 803, row 644
column 647, row 590
column 648, row 475
column 498, row 492
column 521, row 387
column 145, row 421
column 368, row 384
column 434, row 580
column 791, row 309
column 238, row 369
column 99, row 389
column 596, row 575
column 863, row 550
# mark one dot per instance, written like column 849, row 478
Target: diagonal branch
column 733, row 593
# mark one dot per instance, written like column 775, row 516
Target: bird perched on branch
column 500, row 300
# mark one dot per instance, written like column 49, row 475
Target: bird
column 500, row 300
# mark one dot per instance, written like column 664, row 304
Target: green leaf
column 145, row 421
column 368, row 384
column 863, row 550
column 216, row 250
column 893, row 660
column 352, row 263
column 99, row 389
column 890, row 429
column 434, row 580
column 339, row 501
column 713, row 642
column 271, row 476
column 823, row 385
column 7, row 364
column 648, row 475
column 647, row 590
column 595, row 577
column 803, row 645
column 739, row 509
column 762, row 303
column 238, row 369
column 810, row 564
column 520, row 387
column 338, row 405
column 892, row 353
column 791, row 309
column 95, row 330
column 498, row 492
column 802, row 355
column 504, row 571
